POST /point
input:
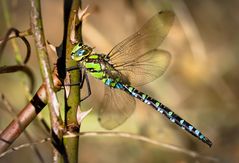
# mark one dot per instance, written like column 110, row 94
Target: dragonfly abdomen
column 158, row 106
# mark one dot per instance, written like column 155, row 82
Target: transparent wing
column 116, row 107
column 149, row 37
column 146, row 68
column 132, row 57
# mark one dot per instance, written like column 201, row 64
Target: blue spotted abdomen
column 165, row 111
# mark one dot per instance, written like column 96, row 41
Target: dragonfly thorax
column 80, row 51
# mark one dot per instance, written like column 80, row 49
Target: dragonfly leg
column 85, row 77
column 78, row 67
column 80, row 83
column 72, row 68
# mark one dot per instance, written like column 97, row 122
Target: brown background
column 201, row 83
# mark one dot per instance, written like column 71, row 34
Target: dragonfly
column 133, row 62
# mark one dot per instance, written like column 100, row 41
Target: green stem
column 71, row 139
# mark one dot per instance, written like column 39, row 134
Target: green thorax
column 98, row 66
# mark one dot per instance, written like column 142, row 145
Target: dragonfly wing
column 145, row 68
column 149, row 37
column 116, row 107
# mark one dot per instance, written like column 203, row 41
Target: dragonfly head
column 80, row 51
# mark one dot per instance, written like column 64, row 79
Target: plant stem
column 26, row 116
column 22, row 120
column 37, row 30
column 71, row 138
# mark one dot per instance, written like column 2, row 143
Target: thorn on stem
column 81, row 115
column 82, row 14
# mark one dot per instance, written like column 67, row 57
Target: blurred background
column 201, row 83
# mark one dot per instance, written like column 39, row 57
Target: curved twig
column 175, row 148
column 20, row 34
column 16, row 68
column 24, row 146
column 23, row 38
column 188, row 152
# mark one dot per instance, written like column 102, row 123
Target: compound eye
column 82, row 52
